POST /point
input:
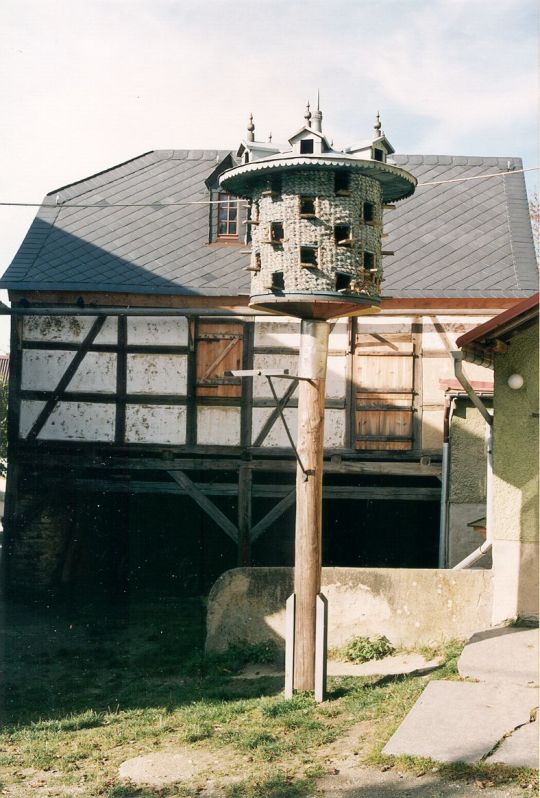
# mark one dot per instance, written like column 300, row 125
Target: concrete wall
column 515, row 466
column 467, row 481
column 409, row 606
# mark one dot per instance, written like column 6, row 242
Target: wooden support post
column 244, row 515
column 321, row 647
column 290, row 612
column 307, row 571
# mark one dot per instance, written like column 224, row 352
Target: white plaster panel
column 218, row 426
column 97, row 372
column 72, row 329
column 156, row 424
column 334, row 429
column 158, row 330
column 432, row 429
column 261, row 388
column 433, row 370
column 29, row 412
column 278, row 332
column 42, row 370
column 156, row 374
column 336, row 376
column 367, row 324
column 453, row 326
column 277, row 437
column 71, row 421
column 339, row 336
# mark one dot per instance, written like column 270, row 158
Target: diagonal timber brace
column 205, row 504
column 65, row 379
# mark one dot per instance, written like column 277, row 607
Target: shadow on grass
column 59, row 661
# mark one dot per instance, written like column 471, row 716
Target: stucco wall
column 409, row 606
column 515, row 466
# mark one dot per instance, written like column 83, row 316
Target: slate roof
column 467, row 239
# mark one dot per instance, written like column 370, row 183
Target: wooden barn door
column 384, row 387
column 219, row 349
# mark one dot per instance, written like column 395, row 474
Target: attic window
column 306, row 146
column 342, row 183
column 342, row 235
column 369, row 212
column 276, row 232
column 308, row 257
column 369, row 262
column 246, row 157
column 307, row 206
column 343, row 281
column 378, row 155
column 278, row 282
column 227, row 216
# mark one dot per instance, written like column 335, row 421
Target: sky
column 86, row 84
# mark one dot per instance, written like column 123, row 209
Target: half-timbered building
column 137, row 461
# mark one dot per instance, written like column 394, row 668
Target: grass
column 85, row 689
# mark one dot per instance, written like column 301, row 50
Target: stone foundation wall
column 409, row 606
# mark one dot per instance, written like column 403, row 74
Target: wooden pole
column 307, row 572
column 244, row 515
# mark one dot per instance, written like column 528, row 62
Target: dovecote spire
column 307, row 115
column 251, row 129
column 377, row 133
column 317, row 115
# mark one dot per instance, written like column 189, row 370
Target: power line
column 480, row 177
column 162, row 205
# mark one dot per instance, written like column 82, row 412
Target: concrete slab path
column 508, row 654
column 389, row 666
column 491, row 719
column 461, row 721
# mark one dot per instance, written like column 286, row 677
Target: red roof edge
column 489, row 328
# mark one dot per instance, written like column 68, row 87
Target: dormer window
column 306, row 147
column 227, row 215
column 342, row 184
column 378, row 155
column 307, row 207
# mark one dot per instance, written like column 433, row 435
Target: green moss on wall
column 467, row 454
column 515, row 444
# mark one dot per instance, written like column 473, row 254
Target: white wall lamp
column 515, row 381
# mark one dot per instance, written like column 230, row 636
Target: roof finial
column 251, row 129
column 307, row 115
column 317, row 116
column 377, row 127
column 270, row 137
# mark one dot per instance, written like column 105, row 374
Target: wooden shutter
column 384, row 383
column 219, row 349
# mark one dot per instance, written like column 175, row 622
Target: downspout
column 459, row 357
column 448, row 411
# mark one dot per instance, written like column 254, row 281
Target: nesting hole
column 342, row 235
column 343, row 281
column 309, row 257
column 307, row 207
column 342, row 184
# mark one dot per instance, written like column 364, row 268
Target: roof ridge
column 98, row 174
